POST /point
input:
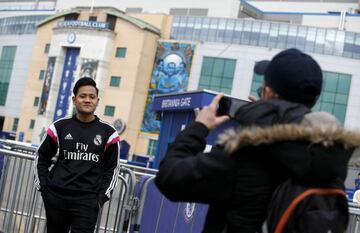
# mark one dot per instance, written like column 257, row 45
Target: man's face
column 171, row 68
column 86, row 100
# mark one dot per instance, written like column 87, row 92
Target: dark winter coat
column 238, row 182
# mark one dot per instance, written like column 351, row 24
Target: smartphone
column 229, row 106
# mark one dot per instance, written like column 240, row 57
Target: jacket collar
column 255, row 136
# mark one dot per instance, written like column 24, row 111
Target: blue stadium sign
column 182, row 101
column 83, row 24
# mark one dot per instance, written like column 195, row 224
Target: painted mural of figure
column 157, row 73
column 169, row 82
column 183, row 76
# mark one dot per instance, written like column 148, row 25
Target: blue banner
column 67, row 78
column 46, row 85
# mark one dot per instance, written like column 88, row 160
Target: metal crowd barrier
column 21, row 206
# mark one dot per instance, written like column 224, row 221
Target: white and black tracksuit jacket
column 87, row 165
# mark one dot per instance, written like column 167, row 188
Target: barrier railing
column 21, row 206
column 136, row 205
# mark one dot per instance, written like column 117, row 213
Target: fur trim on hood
column 255, row 136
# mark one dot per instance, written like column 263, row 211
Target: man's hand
column 208, row 117
column 252, row 98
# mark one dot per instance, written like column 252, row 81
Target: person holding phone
column 239, row 185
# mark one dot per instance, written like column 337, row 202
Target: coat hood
column 255, row 136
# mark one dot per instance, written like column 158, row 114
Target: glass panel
column 301, row 37
column 331, row 81
column 15, row 124
column 327, row 107
column 205, row 80
column 344, row 84
column 115, row 81
column 32, row 124
column 341, row 99
column 221, row 30
column 237, row 31
column 47, row 48
column 229, row 30
column 229, row 68
column 109, row 111
column 197, row 28
column 216, row 81
column 212, row 29
column 42, row 75
column 339, row 112
column 120, row 52
column 329, row 41
column 218, row 68
column 205, row 28
column 36, row 101
column 320, row 40
column 328, row 97
column 207, row 66
column 339, row 43
column 273, row 35
column 6, row 65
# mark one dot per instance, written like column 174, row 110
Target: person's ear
column 269, row 93
column 73, row 99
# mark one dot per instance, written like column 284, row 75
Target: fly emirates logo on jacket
column 81, row 153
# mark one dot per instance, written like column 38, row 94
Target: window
column 115, row 81
column 32, row 124
column 15, row 124
column 42, row 75
column 93, row 18
column 152, row 147
column 6, row 65
column 47, row 48
column 109, row 110
column 334, row 95
column 36, row 101
column 217, row 74
column 257, row 82
column 111, row 19
column 120, row 52
column 71, row 17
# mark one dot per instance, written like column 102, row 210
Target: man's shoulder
column 106, row 126
column 62, row 122
column 268, row 112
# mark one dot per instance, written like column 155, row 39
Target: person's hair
column 85, row 81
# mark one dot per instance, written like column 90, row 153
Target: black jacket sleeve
column 111, row 172
column 188, row 174
column 46, row 151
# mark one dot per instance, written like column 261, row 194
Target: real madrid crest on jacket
column 81, row 168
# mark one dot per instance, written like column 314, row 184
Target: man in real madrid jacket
column 238, row 176
column 87, row 167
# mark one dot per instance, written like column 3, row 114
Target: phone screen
column 229, row 106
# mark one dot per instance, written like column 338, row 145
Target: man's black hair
column 85, row 81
